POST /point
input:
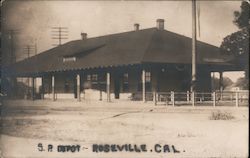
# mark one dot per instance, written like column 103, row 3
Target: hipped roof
column 128, row 48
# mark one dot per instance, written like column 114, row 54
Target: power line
column 59, row 33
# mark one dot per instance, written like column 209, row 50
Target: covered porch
column 133, row 82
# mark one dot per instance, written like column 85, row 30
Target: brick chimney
column 84, row 36
column 136, row 26
column 160, row 24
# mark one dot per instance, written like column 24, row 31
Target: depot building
column 136, row 64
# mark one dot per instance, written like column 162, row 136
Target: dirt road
column 27, row 125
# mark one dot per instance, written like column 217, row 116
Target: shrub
column 218, row 115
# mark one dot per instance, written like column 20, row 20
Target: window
column 148, row 77
column 125, row 82
column 66, row 86
column 94, row 77
column 88, row 77
column 147, row 82
column 125, row 78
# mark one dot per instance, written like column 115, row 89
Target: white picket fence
column 217, row 98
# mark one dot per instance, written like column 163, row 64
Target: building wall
column 46, row 81
column 134, row 78
column 204, row 80
column 173, row 79
column 162, row 80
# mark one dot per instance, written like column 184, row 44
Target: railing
column 217, row 98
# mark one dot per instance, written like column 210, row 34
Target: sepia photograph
column 124, row 79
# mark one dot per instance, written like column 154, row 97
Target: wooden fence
column 217, row 98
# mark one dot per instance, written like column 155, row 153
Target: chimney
column 160, row 24
column 84, row 36
column 136, row 26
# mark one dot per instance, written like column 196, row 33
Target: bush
column 218, row 115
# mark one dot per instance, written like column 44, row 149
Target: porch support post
column 143, row 86
column 188, row 96
column 108, row 87
column 53, row 88
column 193, row 98
column 41, row 91
column 100, row 90
column 100, row 95
column 237, row 98
column 214, row 98
column 78, row 90
column 154, row 74
column 221, row 84
column 33, row 89
column 172, row 98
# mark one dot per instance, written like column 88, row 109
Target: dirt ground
column 190, row 130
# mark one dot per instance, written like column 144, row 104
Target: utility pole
column 193, row 83
column 29, row 48
column 59, row 33
column 35, row 48
column 11, row 34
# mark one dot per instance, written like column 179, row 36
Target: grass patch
column 218, row 115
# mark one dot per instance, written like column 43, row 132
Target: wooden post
column 172, row 98
column 188, row 97
column 193, row 98
column 42, row 88
column 100, row 95
column 167, row 99
column 100, row 88
column 143, row 86
column 53, row 88
column 154, row 76
column 108, row 87
column 237, row 98
column 221, row 85
column 154, row 98
column 33, row 89
column 214, row 98
column 78, row 88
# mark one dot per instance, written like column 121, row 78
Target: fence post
column 214, row 98
column 193, row 98
column 221, row 94
column 237, row 98
column 172, row 97
column 167, row 99
column 155, row 99
column 53, row 88
column 188, row 99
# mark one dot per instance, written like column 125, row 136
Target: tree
column 242, row 83
column 237, row 44
column 241, row 18
column 225, row 83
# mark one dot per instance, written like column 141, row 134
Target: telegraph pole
column 59, row 33
column 12, row 49
column 29, row 48
column 193, row 83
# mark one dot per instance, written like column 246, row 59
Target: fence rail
column 217, row 98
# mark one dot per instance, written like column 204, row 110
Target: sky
column 33, row 20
